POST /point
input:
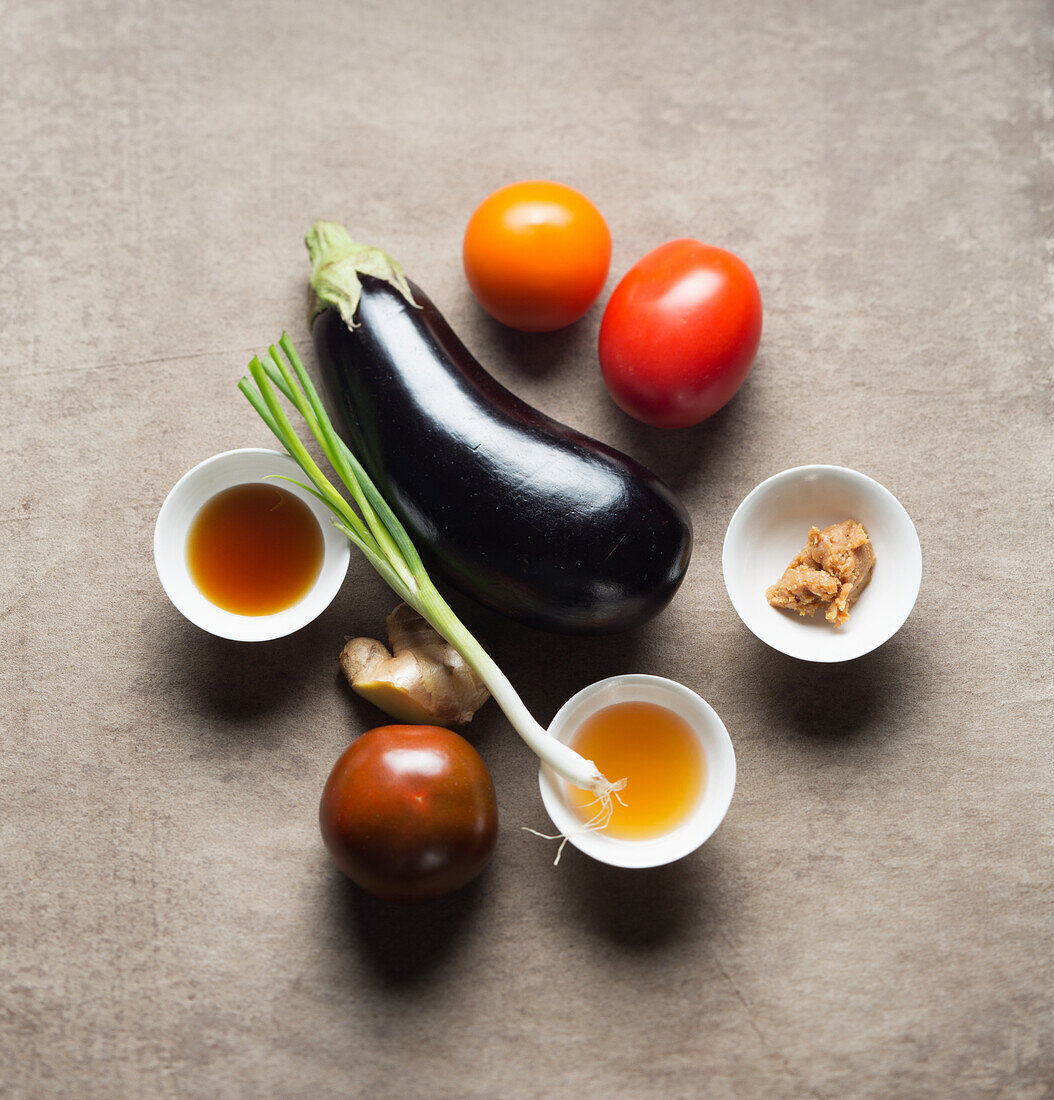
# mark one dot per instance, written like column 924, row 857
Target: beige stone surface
column 873, row 918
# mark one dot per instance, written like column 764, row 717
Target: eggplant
column 515, row 510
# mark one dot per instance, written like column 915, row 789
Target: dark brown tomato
column 409, row 813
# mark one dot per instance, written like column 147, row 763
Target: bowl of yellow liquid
column 675, row 754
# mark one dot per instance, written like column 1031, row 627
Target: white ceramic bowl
column 772, row 525
column 719, row 783
column 193, row 489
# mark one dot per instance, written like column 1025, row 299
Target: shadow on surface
column 641, row 909
column 681, row 456
column 403, row 944
column 537, row 354
column 240, row 681
column 836, row 702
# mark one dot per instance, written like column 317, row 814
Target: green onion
column 377, row 532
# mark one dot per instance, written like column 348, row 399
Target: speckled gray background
column 873, row 917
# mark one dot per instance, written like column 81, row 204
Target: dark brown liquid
column 254, row 549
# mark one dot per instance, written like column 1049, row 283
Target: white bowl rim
column 173, row 523
column 795, row 473
column 718, row 788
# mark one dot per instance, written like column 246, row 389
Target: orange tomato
column 536, row 255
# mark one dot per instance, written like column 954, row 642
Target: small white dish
column 223, row 471
column 718, row 785
column 772, row 525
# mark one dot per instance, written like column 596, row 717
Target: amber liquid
column 658, row 754
column 254, row 549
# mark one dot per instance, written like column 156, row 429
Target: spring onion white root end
column 605, row 804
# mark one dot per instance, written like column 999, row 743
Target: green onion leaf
column 378, row 533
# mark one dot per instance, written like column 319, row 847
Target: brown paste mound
column 832, row 571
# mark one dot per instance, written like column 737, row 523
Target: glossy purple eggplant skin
column 517, row 511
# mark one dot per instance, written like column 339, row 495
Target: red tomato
column 680, row 333
column 536, row 255
column 408, row 812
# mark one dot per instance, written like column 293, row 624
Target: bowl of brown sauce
column 244, row 552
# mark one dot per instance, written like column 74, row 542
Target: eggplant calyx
column 337, row 262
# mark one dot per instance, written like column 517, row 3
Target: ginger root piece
column 422, row 681
column 833, row 569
